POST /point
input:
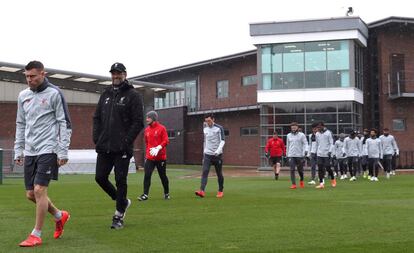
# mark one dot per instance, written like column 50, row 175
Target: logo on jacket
column 106, row 100
column 44, row 101
column 121, row 101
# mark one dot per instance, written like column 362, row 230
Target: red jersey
column 276, row 147
column 154, row 135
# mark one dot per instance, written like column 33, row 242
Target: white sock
column 36, row 232
column 58, row 215
column 119, row 214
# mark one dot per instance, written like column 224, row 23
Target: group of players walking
column 43, row 133
column 356, row 153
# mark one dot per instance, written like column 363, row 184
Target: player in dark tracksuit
column 117, row 121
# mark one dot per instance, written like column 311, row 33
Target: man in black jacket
column 117, row 121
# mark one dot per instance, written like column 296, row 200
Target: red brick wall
column 238, row 150
column 238, row 95
column 401, row 42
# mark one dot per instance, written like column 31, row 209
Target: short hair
column 373, row 129
column 275, row 132
column 294, row 124
column 386, row 129
column 209, row 115
column 34, row 65
column 321, row 123
column 366, row 130
column 315, row 125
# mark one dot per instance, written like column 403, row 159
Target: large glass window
column 339, row 117
column 318, row 64
column 185, row 97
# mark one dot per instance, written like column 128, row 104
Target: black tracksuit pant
column 104, row 164
column 353, row 164
column 149, row 167
column 324, row 164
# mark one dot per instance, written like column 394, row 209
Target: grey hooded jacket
column 42, row 124
column 352, row 147
column 296, row 145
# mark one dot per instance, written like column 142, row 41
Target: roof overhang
column 70, row 80
column 391, row 20
column 309, row 30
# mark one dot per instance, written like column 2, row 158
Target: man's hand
column 267, row 155
column 62, row 162
column 154, row 151
column 306, row 153
column 19, row 161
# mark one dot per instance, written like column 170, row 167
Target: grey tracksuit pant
column 217, row 161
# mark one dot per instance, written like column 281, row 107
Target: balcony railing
column 400, row 84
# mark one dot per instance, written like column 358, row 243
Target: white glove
column 154, row 151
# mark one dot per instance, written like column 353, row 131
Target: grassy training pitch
column 257, row 214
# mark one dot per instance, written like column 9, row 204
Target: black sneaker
column 167, row 196
column 143, row 197
column 117, row 222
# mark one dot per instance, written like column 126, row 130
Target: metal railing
column 405, row 160
column 400, row 84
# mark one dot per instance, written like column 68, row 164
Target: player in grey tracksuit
column 352, row 149
column 296, row 150
column 390, row 149
column 364, row 153
column 324, row 148
column 43, row 131
column 212, row 154
column 374, row 149
column 312, row 152
column 340, row 157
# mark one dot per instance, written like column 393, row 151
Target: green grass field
column 257, row 214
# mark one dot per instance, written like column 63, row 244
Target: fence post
column 1, row 166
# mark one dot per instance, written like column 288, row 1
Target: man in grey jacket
column 375, row 153
column 43, row 131
column 353, row 150
column 324, row 148
column 296, row 150
column 390, row 149
column 213, row 151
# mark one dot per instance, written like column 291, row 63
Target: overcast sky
column 147, row 36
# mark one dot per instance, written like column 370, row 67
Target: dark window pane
column 315, row 79
column 344, row 118
column 327, row 118
column 293, row 80
column 287, row 119
column 344, row 106
column 277, row 81
column 320, row 107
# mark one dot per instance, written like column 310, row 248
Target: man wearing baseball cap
column 117, row 121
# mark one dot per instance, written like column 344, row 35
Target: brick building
column 340, row 70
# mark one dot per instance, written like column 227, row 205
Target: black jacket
column 118, row 119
